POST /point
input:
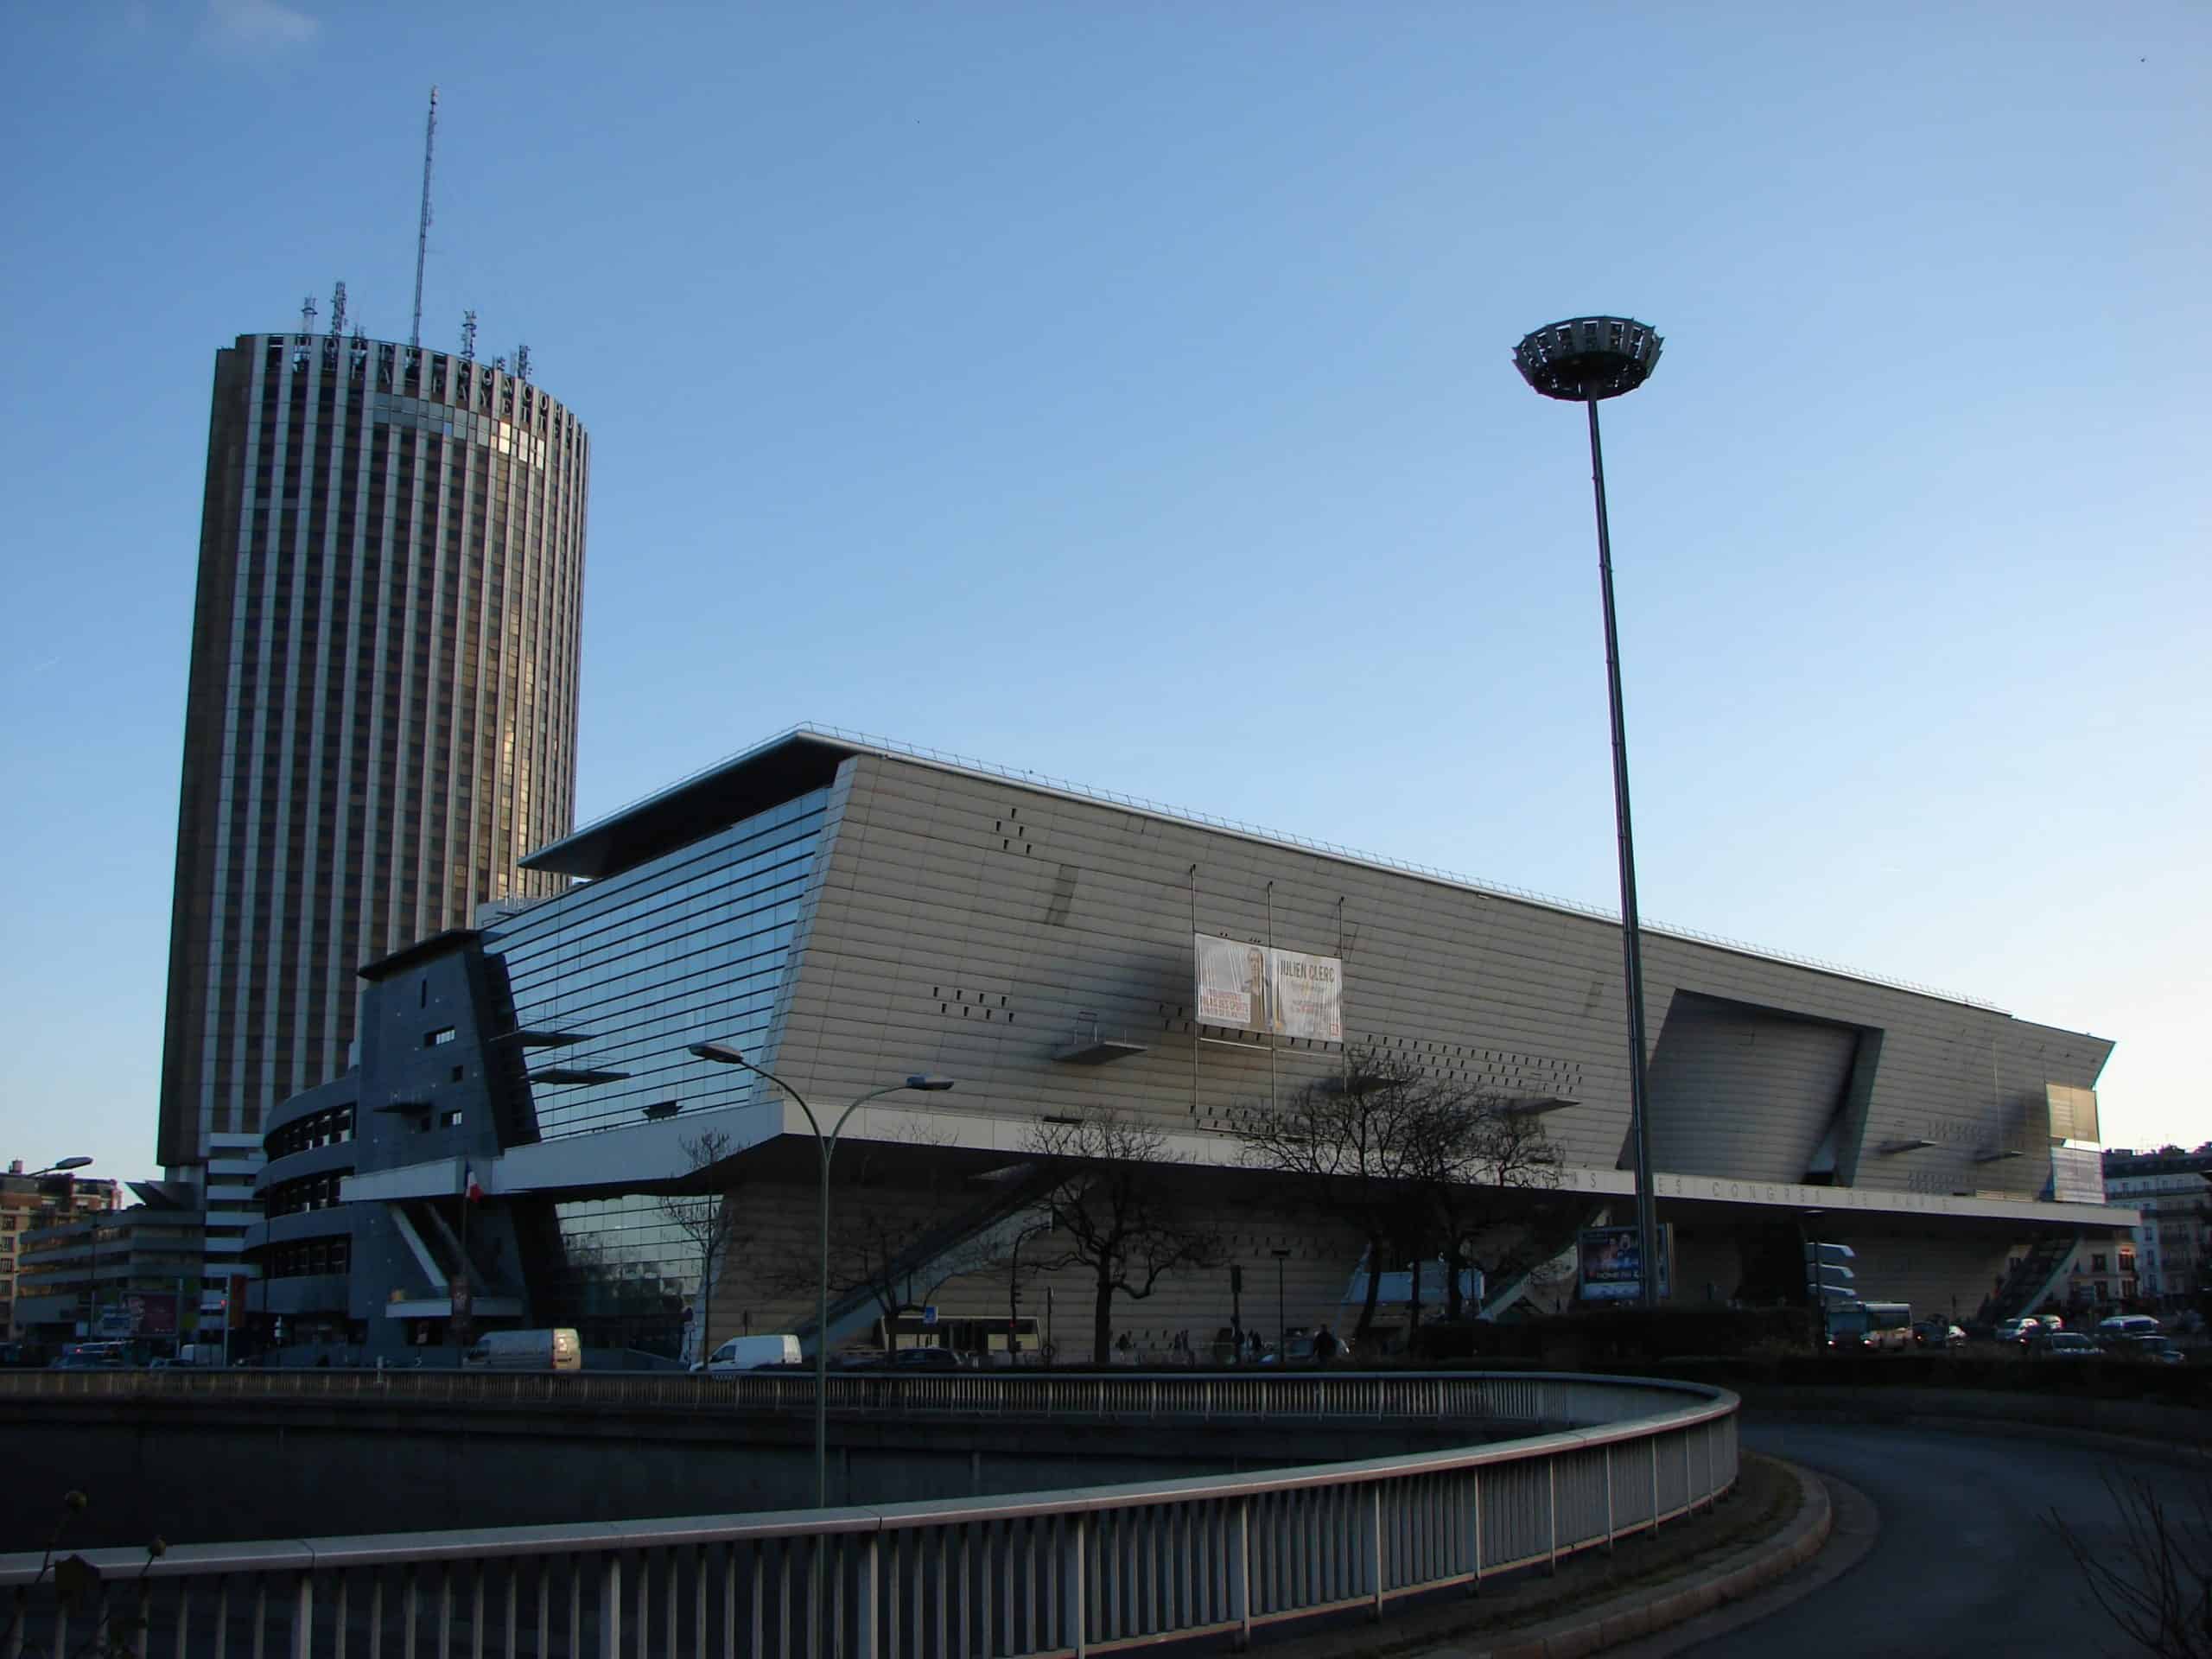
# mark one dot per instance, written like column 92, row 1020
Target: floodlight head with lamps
column 1586, row 359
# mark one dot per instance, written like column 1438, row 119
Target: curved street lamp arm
column 873, row 1094
column 813, row 1124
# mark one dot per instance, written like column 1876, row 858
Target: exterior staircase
column 2033, row 1278
column 1547, row 1247
column 854, row 1310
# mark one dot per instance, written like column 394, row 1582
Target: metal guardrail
column 1090, row 1570
column 1202, row 1396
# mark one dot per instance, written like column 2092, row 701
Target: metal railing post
column 1551, row 1507
column 303, row 1633
column 1375, row 1547
column 1240, row 1573
column 1475, row 1477
column 610, row 1606
column 864, row 1598
column 1075, row 1602
column 1608, row 1497
column 1653, row 1442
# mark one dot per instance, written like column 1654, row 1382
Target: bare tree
column 1034, row 1227
column 1465, row 1149
column 1348, row 1145
column 711, row 1221
column 901, row 1227
column 1117, row 1221
column 2155, row 1584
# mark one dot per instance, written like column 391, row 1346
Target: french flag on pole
column 470, row 1187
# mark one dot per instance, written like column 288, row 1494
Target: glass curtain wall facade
column 381, row 715
column 626, row 973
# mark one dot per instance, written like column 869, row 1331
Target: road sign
column 929, row 1314
column 1827, row 1276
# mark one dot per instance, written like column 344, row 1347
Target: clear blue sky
column 1123, row 391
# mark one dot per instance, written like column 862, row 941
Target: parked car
column 1938, row 1333
column 2018, row 1330
column 2063, row 1344
column 751, row 1354
column 2155, row 1350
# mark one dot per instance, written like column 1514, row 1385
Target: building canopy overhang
column 779, row 770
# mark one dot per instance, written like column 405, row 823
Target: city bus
column 977, row 1341
column 1869, row 1325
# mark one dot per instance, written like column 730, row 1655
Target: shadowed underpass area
column 205, row 1471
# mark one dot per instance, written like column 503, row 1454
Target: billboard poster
column 1253, row 988
column 1306, row 996
column 152, row 1313
column 1612, row 1264
column 1232, row 983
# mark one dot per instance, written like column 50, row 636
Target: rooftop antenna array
column 338, row 312
column 468, row 335
column 522, row 362
column 423, row 230
column 307, row 314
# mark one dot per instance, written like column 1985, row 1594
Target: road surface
column 1964, row 1561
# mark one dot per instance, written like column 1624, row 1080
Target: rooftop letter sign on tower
column 1585, row 360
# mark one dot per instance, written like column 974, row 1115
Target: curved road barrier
column 1086, row 1570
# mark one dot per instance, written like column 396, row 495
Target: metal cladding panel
column 970, row 926
column 1743, row 1092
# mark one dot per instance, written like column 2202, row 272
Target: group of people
column 1251, row 1347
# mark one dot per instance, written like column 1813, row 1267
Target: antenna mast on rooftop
column 423, row 231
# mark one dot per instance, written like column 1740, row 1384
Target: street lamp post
column 725, row 1054
column 1585, row 360
column 1282, row 1330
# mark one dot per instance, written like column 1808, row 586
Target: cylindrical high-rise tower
column 382, row 712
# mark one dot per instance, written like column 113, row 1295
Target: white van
column 527, row 1351
column 750, row 1354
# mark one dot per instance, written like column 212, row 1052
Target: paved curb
column 1637, row 1613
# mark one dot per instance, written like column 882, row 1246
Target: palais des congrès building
column 846, row 912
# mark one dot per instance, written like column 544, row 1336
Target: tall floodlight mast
column 1585, row 360
column 423, row 228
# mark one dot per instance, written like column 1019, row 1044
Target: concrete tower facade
column 381, row 718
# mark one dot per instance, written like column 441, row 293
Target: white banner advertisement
column 1251, row 987
column 1232, row 983
column 1306, row 996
